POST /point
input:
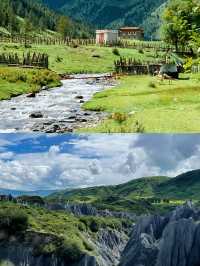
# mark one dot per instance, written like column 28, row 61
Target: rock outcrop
column 172, row 240
column 89, row 210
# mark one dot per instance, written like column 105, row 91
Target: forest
column 18, row 16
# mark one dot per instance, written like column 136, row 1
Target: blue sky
column 34, row 161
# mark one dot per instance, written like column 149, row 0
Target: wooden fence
column 28, row 60
column 134, row 67
column 195, row 69
column 139, row 45
column 46, row 41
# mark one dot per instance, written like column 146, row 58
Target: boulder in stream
column 36, row 115
column 31, row 95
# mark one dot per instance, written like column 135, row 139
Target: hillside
column 18, row 16
column 105, row 13
column 12, row 10
column 136, row 193
column 37, row 236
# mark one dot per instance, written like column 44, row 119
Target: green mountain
column 39, row 15
column 15, row 14
column 105, row 13
column 137, row 193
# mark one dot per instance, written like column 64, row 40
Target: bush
column 13, row 75
column 188, row 64
column 71, row 251
column 138, row 128
column 152, row 84
column 119, row 117
column 13, row 221
column 140, row 51
column 44, row 77
column 116, row 52
column 59, row 59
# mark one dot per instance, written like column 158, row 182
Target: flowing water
column 57, row 110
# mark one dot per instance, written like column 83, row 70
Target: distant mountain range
column 17, row 193
column 183, row 187
column 135, row 192
column 106, row 13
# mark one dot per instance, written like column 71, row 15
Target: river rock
column 31, row 95
column 79, row 97
column 53, row 128
column 36, row 115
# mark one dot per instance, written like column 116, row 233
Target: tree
column 64, row 26
column 27, row 30
column 181, row 20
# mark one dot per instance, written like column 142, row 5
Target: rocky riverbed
column 55, row 110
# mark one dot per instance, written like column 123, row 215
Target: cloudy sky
column 34, row 162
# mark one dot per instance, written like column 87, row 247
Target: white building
column 106, row 36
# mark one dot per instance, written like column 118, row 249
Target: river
column 53, row 110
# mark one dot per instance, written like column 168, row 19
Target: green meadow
column 62, row 59
column 81, row 59
column 145, row 104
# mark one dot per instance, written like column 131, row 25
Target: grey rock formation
column 87, row 209
column 173, row 240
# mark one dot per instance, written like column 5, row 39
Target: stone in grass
column 96, row 56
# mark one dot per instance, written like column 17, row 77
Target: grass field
column 15, row 81
column 143, row 104
column 83, row 59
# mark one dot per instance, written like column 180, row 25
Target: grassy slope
column 65, row 226
column 184, row 186
column 132, row 196
column 15, row 81
column 77, row 60
column 163, row 108
column 136, row 194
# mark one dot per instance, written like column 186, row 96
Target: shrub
column 119, row 117
column 70, row 251
column 59, row 59
column 116, row 52
column 188, row 64
column 140, row 51
column 44, row 77
column 13, row 221
column 138, row 128
column 152, row 84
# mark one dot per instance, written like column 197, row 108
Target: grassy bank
column 16, row 81
column 143, row 104
column 86, row 59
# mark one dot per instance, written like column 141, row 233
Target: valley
column 66, row 228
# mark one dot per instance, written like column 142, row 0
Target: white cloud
column 97, row 160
